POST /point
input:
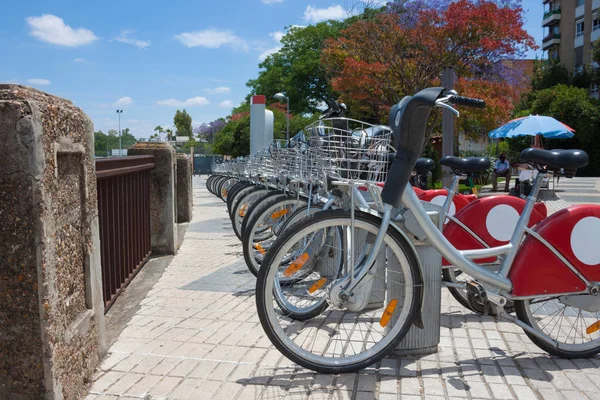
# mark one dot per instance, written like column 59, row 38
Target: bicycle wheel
column 215, row 183
column 223, row 189
column 242, row 207
column 234, row 191
column 240, row 195
column 209, row 181
column 253, row 206
column 566, row 324
column 338, row 340
column 260, row 230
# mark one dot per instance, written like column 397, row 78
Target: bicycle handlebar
column 467, row 101
column 408, row 120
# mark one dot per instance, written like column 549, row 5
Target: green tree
column 100, row 144
column 159, row 131
column 170, row 135
column 183, row 123
column 297, row 68
column 548, row 73
column 574, row 107
column 234, row 138
column 127, row 139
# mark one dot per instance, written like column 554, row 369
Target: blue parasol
column 533, row 125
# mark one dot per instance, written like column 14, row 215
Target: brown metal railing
column 124, row 215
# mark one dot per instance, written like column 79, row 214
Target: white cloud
column 277, row 36
column 314, row 15
column 52, row 29
column 133, row 121
column 193, row 102
column 124, row 38
column 36, row 81
column 219, row 90
column 79, row 60
column 272, row 1
column 226, row 104
column 212, row 39
column 123, row 101
column 262, row 56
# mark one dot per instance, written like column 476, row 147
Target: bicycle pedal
column 476, row 293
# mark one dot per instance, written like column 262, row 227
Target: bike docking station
column 423, row 336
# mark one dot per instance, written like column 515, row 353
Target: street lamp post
column 120, row 143
column 282, row 96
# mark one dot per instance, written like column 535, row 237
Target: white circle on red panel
column 440, row 200
column 584, row 240
column 501, row 222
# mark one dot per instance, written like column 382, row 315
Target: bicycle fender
column 492, row 219
column 573, row 232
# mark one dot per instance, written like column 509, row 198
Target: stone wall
column 162, row 195
column 184, row 188
column 52, row 314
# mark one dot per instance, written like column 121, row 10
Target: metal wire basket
column 351, row 151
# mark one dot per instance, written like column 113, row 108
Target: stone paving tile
column 197, row 336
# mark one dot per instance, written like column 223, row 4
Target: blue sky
column 151, row 57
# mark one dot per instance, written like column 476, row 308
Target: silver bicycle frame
column 452, row 190
column 461, row 259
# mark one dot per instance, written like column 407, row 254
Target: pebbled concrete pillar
column 184, row 188
column 52, row 313
column 163, row 195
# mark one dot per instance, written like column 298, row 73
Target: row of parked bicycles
column 329, row 224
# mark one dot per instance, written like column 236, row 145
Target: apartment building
column 570, row 28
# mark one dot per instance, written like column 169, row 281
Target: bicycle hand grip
column 467, row 101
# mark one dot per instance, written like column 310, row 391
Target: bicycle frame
column 461, row 259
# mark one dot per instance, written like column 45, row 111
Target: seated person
column 502, row 169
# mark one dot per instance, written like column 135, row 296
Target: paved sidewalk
column 197, row 336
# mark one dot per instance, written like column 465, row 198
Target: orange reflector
column 260, row 248
column 318, row 284
column 243, row 210
column 280, row 213
column 223, row 192
column 296, row 265
column 387, row 314
column 593, row 328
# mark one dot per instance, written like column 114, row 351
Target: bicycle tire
column 264, row 293
column 249, row 227
column 521, row 308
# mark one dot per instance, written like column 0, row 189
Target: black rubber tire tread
column 219, row 185
column 261, row 193
column 220, row 190
column 255, row 206
column 287, row 235
column 520, row 309
column 209, row 182
column 234, row 191
column 215, row 183
column 232, row 202
column 238, row 199
column 250, row 223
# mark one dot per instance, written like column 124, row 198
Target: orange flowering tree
column 376, row 62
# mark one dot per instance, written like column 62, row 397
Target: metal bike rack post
column 423, row 341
